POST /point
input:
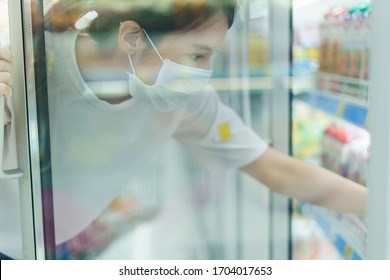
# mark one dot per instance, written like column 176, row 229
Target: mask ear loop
column 132, row 65
column 154, row 47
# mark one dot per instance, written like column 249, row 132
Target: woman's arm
column 298, row 179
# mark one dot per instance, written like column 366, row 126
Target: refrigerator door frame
column 378, row 210
column 21, row 129
column 37, row 221
column 280, row 60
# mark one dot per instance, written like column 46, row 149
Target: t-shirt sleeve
column 216, row 135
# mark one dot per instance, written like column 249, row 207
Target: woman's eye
column 196, row 57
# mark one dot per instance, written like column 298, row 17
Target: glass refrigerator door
column 330, row 117
column 258, row 49
column 83, row 139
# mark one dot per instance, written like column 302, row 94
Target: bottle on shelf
column 345, row 53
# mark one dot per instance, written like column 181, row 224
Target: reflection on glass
column 129, row 86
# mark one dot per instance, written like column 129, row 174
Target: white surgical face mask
column 174, row 87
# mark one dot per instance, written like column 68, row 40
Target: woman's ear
column 130, row 37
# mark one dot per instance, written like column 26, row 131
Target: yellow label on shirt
column 224, row 132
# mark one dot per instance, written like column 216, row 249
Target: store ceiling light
column 85, row 20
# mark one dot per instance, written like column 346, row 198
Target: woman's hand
column 5, row 72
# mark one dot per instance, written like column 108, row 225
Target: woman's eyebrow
column 203, row 47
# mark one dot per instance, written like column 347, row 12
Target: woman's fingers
column 5, row 72
column 5, row 66
column 5, row 54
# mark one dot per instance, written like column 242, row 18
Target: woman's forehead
column 207, row 37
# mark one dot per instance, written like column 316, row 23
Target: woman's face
column 194, row 48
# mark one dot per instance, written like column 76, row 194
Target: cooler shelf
column 345, row 87
column 348, row 233
column 347, row 108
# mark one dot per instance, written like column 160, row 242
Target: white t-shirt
column 96, row 147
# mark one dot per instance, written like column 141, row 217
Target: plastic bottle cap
column 354, row 10
column 365, row 7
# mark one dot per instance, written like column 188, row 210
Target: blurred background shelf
column 331, row 89
column 342, row 106
column 347, row 233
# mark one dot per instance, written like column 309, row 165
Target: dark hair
column 156, row 16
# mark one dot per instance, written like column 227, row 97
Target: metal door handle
column 5, row 174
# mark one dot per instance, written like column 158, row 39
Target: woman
column 166, row 50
